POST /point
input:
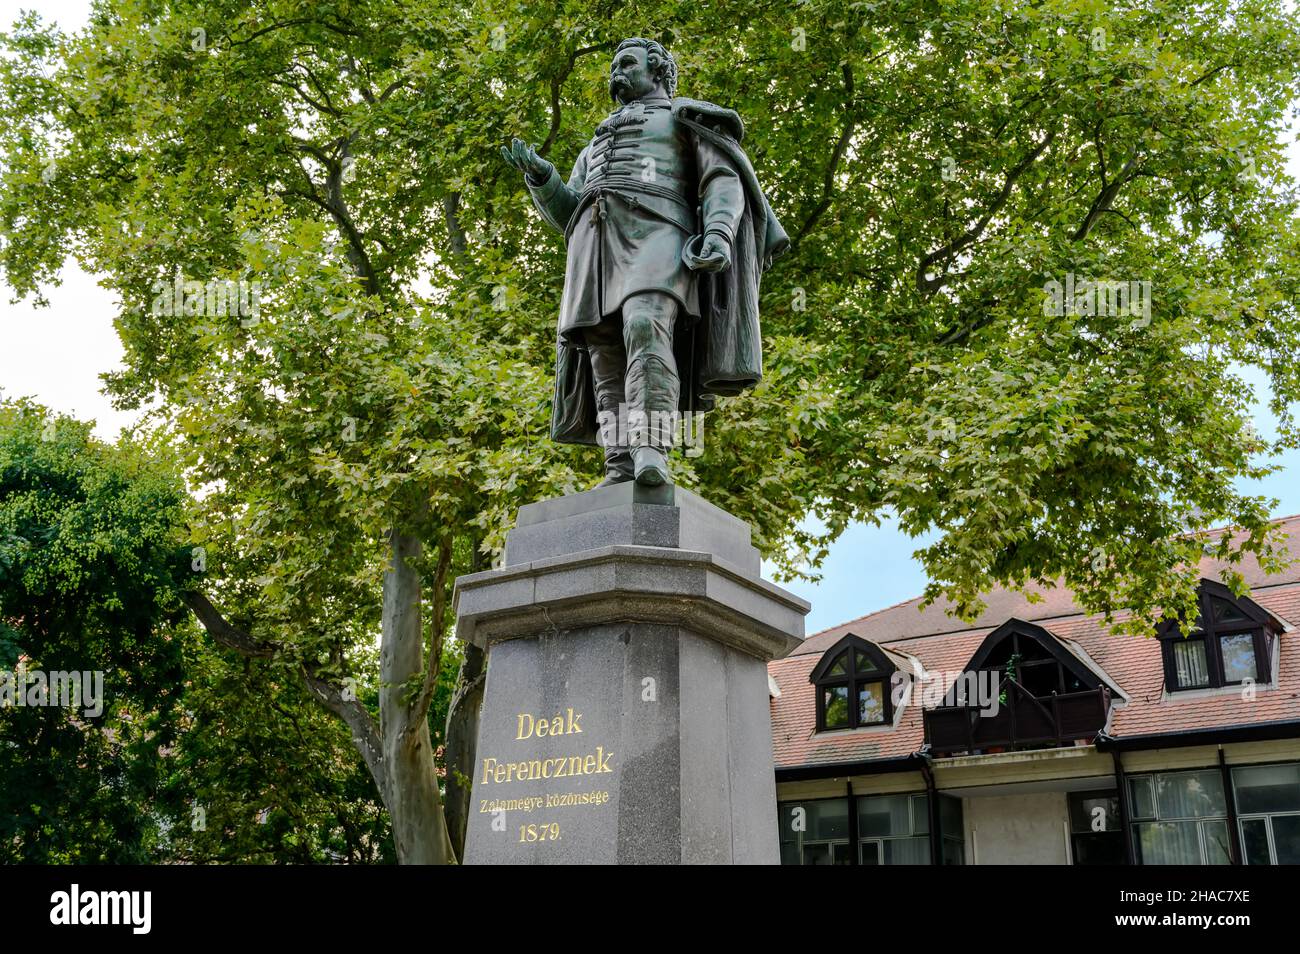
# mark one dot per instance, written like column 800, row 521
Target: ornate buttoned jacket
column 656, row 176
column 638, row 192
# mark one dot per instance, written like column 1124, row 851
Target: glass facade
column 1176, row 818
column 890, row 829
column 815, row 832
column 1180, row 818
column 893, row 830
column 1268, row 813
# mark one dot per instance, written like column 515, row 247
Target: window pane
column 1254, row 841
column 863, row 662
column 1041, row 678
column 1225, row 612
column 920, row 814
column 836, row 701
column 842, row 853
column 788, row 816
column 827, row 819
column 816, row 854
column 954, row 851
column 1238, row 657
column 1216, row 843
column 840, row 667
column 883, row 815
column 1092, row 812
column 1168, row 843
column 871, row 702
column 1031, row 650
column 1189, row 663
column 870, row 852
column 950, row 818
column 1141, row 800
column 1099, row 848
column 907, row 851
column 1267, row 788
column 1190, row 795
column 820, row 820
column 1286, row 838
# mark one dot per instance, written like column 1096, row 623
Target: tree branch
column 837, row 154
column 225, row 633
column 1104, row 198
column 929, row 286
column 337, row 207
column 455, row 231
column 319, row 107
column 365, row 734
column 557, row 85
column 300, row 21
column 433, row 662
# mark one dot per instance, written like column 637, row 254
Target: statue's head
column 639, row 68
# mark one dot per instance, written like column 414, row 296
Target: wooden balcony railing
column 1023, row 721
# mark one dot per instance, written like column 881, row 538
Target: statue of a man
column 668, row 234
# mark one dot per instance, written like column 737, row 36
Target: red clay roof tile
column 943, row 643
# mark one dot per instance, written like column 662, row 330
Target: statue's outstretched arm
column 554, row 200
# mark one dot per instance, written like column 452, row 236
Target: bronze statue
column 668, row 234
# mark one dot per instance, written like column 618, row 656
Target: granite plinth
column 625, row 715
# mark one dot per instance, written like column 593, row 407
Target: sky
column 56, row 355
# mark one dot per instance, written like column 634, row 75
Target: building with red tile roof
column 1035, row 735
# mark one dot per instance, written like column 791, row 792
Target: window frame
column 1257, row 816
column 1256, row 623
column 802, row 842
column 883, row 673
column 918, row 815
column 1114, row 825
column 1201, row 822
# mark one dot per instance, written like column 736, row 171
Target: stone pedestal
column 625, row 717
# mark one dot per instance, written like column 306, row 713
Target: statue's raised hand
column 525, row 158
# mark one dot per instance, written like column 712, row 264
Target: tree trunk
column 462, row 737
column 414, row 805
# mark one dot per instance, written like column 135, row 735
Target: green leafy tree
column 194, row 754
column 368, row 434
column 265, row 774
column 87, row 543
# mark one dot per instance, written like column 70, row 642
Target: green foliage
column 85, row 568
column 936, row 165
column 91, row 569
column 267, row 775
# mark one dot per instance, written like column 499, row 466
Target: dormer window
column 853, row 685
column 1230, row 643
column 1035, row 690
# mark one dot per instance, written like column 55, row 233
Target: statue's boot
column 652, row 385
column 618, row 466
column 652, row 398
column 650, row 467
column 605, row 346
